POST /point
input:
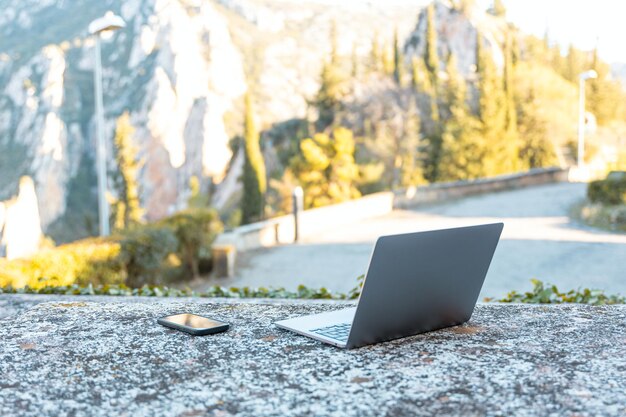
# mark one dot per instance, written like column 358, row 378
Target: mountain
column 180, row 68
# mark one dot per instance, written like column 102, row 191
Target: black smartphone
column 193, row 324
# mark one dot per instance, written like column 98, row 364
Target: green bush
column 144, row 253
column 195, row 230
column 92, row 260
column 176, row 247
column 605, row 217
column 610, row 191
column 550, row 294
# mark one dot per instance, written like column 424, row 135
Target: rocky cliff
column 179, row 68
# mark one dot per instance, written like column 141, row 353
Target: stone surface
column 77, row 357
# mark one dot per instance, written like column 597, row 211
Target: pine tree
column 511, row 135
column 411, row 173
column 387, row 64
column 128, row 209
column 398, row 60
column 536, row 149
column 491, row 111
column 431, row 58
column 605, row 97
column 463, row 147
column 334, row 44
column 197, row 199
column 355, row 62
column 254, row 179
column 498, row 9
column 330, row 93
column 432, row 137
column 375, row 57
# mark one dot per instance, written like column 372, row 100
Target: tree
column 498, row 9
column 535, row 150
column 411, row 172
column 398, row 60
column 127, row 208
column 329, row 95
column 326, row 168
column 510, row 137
column 462, row 147
column 332, row 85
column 355, row 62
column 492, row 113
column 197, row 198
column 387, row 64
column 431, row 58
column 605, row 97
column 463, row 6
column 334, row 44
column 254, row 179
column 375, row 56
column 433, row 139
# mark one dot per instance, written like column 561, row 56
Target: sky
column 581, row 22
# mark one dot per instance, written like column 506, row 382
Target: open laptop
column 415, row 283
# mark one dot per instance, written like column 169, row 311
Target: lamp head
column 588, row 75
column 109, row 21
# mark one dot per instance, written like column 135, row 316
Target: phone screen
column 191, row 320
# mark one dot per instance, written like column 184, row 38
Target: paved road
column 539, row 240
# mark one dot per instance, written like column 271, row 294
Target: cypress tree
column 415, row 74
column 511, row 138
column 388, row 66
column 491, row 111
column 498, row 9
column 254, row 180
column 411, row 172
column 536, row 149
column 398, row 60
column 375, row 54
column 128, row 209
column 334, row 44
column 433, row 139
column 355, row 62
column 328, row 100
column 463, row 147
column 605, row 96
column 431, row 59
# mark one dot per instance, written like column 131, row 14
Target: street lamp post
column 581, row 114
column 108, row 22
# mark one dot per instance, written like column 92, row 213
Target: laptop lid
column 419, row 282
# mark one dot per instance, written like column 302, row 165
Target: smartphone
column 193, row 324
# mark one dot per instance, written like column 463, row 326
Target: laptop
column 415, row 283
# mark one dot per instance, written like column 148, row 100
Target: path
column 539, row 240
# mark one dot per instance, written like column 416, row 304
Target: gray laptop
column 415, row 283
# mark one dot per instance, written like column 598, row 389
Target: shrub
column 610, row 191
column 550, row 294
column 144, row 254
column 195, row 229
column 606, row 217
column 93, row 260
column 144, row 251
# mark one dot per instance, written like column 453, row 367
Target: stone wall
column 280, row 230
column 416, row 196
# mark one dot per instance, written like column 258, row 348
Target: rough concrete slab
column 83, row 358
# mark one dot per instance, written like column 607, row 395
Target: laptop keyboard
column 337, row 331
